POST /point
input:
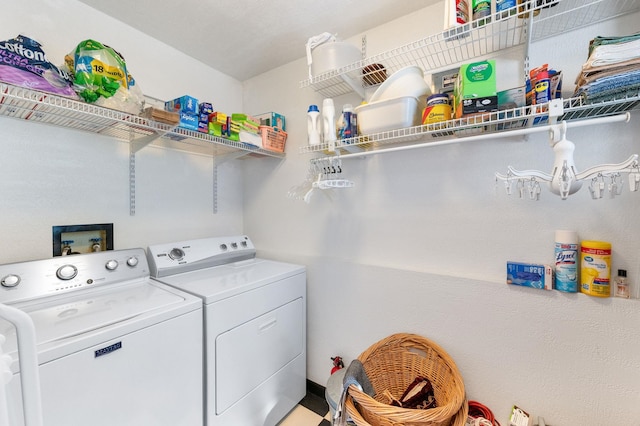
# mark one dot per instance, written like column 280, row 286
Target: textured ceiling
column 244, row 38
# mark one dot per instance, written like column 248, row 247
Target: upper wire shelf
column 26, row 104
column 499, row 123
column 477, row 39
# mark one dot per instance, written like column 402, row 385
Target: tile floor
column 311, row 411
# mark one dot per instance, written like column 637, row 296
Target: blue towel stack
column 612, row 70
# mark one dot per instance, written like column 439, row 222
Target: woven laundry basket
column 392, row 364
column 460, row 418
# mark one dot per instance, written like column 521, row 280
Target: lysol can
column 566, row 255
column 595, row 271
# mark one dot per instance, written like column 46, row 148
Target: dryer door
column 250, row 353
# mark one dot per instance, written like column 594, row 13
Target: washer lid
column 220, row 282
column 61, row 319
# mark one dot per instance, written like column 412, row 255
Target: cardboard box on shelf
column 188, row 121
column 530, row 275
column 205, row 108
column 476, row 105
column 272, row 119
column 161, row 116
column 475, row 89
column 512, row 98
column 184, row 103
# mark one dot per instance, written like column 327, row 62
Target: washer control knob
column 176, row 254
column 10, row 280
column 132, row 261
column 111, row 265
column 234, row 246
column 243, row 244
column 67, row 272
column 223, row 247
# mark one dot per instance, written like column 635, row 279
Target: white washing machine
column 115, row 347
column 254, row 326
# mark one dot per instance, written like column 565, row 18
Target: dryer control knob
column 10, row 281
column 111, row 265
column 176, row 254
column 67, row 272
column 132, row 261
column 223, row 247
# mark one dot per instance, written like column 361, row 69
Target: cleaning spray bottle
column 566, row 254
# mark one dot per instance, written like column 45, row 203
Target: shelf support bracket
column 136, row 145
column 353, row 85
column 218, row 160
column 142, row 142
column 132, row 179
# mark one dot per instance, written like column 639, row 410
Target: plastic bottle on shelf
column 313, row 125
column 526, row 7
column 566, row 261
column 503, row 5
column 329, row 120
column 481, row 9
column 347, row 123
column 457, row 13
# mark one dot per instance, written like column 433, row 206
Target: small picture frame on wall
column 77, row 239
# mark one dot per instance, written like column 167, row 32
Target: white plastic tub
column 332, row 56
column 409, row 81
column 390, row 114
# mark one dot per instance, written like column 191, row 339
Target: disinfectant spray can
column 566, row 254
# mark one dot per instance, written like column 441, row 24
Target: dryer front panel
column 251, row 353
column 256, row 353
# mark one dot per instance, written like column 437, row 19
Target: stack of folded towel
column 612, row 70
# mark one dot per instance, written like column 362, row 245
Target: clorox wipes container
column 595, row 272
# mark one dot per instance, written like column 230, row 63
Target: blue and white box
column 188, row 121
column 182, row 104
column 530, row 275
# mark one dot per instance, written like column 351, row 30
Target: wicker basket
column 392, row 364
column 459, row 420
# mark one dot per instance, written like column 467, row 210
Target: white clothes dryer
column 254, row 326
column 114, row 346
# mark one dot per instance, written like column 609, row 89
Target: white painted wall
column 55, row 176
column 420, row 245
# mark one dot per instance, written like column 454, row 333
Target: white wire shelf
column 477, row 39
column 572, row 14
column 34, row 106
column 500, row 123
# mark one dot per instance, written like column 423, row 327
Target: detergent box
column 185, row 103
column 475, row 88
column 530, row 275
